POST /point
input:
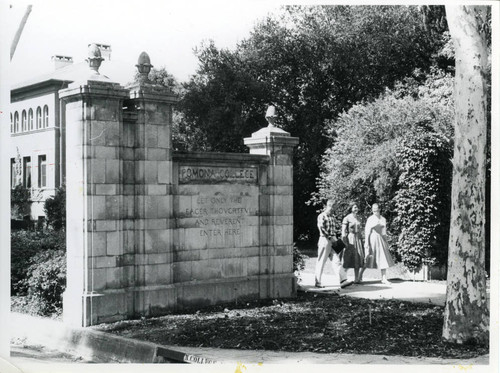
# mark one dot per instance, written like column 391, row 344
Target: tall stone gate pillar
column 119, row 198
column 151, row 107
column 277, row 199
column 96, row 244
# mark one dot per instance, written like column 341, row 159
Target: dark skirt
column 354, row 254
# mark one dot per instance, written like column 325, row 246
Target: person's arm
column 384, row 228
column 345, row 226
column 321, row 225
column 337, row 229
column 368, row 230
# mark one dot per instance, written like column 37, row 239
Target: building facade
column 37, row 131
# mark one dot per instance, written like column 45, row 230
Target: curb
column 95, row 345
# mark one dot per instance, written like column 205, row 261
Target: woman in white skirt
column 377, row 253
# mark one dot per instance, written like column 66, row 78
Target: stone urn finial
column 271, row 115
column 144, row 67
column 94, row 58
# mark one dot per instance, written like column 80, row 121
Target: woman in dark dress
column 353, row 256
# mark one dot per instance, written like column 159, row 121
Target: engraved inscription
column 194, row 174
column 221, row 215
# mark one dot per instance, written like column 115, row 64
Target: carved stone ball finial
column 144, row 67
column 271, row 115
column 94, row 58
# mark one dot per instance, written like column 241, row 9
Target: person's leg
column 360, row 278
column 339, row 269
column 323, row 252
column 384, row 278
column 356, row 275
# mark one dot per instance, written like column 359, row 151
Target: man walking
column 328, row 229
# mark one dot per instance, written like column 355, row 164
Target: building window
column 42, row 171
column 30, row 120
column 16, row 122
column 27, row 172
column 12, row 173
column 45, row 116
column 23, row 121
column 11, row 124
column 38, row 118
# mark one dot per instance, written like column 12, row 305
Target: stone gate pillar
column 151, row 106
column 96, row 210
column 276, row 207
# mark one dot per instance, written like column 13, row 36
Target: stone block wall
column 227, row 241
column 150, row 230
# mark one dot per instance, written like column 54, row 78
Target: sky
column 167, row 30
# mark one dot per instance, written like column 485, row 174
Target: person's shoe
column 385, row 281
column 317, row 285
column 345, row 283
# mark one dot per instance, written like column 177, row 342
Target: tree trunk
column 466, row 316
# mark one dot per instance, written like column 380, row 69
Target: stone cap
column 95, row 88
column 152, row 93
column 144, row 89
column 270, row 134
column 218, row 158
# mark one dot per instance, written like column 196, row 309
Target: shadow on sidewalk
column 397, row 289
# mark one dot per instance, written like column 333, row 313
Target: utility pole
column 19, row 32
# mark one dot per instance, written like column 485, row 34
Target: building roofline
column 45, row 83
column 39, row 87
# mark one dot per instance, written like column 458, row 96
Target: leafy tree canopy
column 312, row 63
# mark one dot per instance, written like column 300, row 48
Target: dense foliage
column 363, row 166
column 46, row 281
column 38, row 262
column 25, row 245
column 299, row 260
column 55, row 209
column 423, row 198
column 20, row 202
column 313, row 63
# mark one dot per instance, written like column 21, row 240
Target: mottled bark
column 466, row 316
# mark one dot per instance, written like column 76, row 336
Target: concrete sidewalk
column 412, row 291
column 228, row 356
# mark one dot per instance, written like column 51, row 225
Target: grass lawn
column 311, row 322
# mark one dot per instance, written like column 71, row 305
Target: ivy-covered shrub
column 423, row 198
column 55, row 209
column 25, row 244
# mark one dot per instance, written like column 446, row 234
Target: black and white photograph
column 249, row 186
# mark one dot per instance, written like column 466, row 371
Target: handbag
column 338, row 245
column 369, row 258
